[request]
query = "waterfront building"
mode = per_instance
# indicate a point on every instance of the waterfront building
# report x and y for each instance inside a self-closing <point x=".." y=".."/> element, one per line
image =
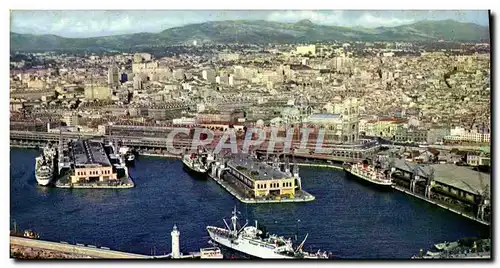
<point x="91" y="164"/>
<point x="260" y="179"/>
<point x="468" y="188"/>
<point x="230" y="117"/>
<point x="184" y="121"/>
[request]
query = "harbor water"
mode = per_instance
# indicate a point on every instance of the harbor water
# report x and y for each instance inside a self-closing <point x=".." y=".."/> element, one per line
<point x="349" y="219"/>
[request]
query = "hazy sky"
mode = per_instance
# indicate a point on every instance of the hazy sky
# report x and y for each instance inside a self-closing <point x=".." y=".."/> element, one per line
<point x="98" y="23"/>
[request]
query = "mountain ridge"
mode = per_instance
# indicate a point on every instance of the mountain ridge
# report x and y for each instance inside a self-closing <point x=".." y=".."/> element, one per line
<point x="260" y="31"/>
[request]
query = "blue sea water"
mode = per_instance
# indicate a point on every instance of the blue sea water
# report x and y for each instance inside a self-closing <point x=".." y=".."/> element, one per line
<point x="349" y="219"/>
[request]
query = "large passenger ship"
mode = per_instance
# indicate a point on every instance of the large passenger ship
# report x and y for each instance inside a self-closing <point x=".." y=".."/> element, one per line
<point x="45" y="166"/>
<point x="253" y="242"/>
<point x="369" y="173"/>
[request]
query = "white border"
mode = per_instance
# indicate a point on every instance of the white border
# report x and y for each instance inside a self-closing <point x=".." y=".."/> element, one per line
<point x="200" y="4"/>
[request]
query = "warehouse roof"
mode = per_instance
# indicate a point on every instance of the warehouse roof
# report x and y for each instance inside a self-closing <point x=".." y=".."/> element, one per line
<point x="462" y="178"/>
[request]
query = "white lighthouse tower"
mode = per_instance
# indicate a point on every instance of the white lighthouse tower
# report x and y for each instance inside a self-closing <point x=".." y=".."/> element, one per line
<point x="175" y="243"/>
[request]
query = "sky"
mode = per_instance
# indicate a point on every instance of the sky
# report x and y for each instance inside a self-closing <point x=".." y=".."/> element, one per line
<point x="88" y="23"/>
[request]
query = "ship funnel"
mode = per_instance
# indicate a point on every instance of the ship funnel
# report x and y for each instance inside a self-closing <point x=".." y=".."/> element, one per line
<point x="175" y="243"/>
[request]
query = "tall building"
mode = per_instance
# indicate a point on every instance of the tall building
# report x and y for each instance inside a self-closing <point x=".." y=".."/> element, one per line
<point x="137" y="83"/>
<point x="142" y="57"/>
<point x="123" y="78"/>
<point x="71" y="119"/>
<point x="113" y="75"/>
<point x="342" y="125"/>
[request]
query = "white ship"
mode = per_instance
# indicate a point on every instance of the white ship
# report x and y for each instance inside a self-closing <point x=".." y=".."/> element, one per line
<point x="45" y="165"/>
<point x="369" y="174"/>
<point x="250" y="240"/>
<point x="211" y="253"/>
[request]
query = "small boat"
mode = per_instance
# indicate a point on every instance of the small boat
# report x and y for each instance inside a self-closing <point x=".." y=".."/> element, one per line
<point x="440" y="246"/>
<point x="26" y="234"/>
<point x="432" y="254"/>
<point x="446" y="246"/>
<point x="211" y="253"/>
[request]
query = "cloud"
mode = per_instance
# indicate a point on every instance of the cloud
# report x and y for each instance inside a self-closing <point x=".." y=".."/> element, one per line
<point x="341" y="18"/>
<point x="370" y="21"/>
<point x="332" y="17"/>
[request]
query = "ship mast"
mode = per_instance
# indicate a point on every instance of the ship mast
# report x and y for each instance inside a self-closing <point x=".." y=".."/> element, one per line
<point x="234" y="221"/>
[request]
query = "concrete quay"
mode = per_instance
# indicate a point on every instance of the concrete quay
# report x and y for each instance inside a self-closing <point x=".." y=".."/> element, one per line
<point x="95" y="186"/>
<point x="125" y="183"/>
<point x="93" y="252"/>
<point x="303" y="195"/>
<point x="24" y="146"/>
<point x="162" y="155"/>
<point x="316" y="165"/>
<point x="401" y="189"/>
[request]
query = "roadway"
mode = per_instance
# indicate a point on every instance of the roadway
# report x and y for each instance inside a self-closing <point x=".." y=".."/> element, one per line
<point x="101" y="253"/>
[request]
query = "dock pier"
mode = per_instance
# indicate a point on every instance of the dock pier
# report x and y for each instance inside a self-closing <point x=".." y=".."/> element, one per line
<point x="88" y="251"/>
<point x="306" y="197"/>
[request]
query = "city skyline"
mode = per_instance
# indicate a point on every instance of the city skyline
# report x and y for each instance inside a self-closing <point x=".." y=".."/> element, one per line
<point x="89" y="23"/>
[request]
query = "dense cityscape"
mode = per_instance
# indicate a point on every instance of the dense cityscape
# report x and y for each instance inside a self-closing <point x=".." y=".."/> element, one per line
<point x="418" y="111"/>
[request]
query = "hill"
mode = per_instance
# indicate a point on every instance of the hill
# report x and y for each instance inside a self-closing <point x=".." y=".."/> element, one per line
<point x="259" y="31"/>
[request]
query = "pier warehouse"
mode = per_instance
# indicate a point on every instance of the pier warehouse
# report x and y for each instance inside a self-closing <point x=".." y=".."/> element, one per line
<point x="462" y="187"/>
<point x="262" y="180"/>
<point x="91" y="164"/>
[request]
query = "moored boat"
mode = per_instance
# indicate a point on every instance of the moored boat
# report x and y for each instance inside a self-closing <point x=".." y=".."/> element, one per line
<point x="368" y="173"/>
<point x="211" y="253"/>
<point x="45" y="166"/>
<point x="251" y="241"/>
<point x="197" y="164"/>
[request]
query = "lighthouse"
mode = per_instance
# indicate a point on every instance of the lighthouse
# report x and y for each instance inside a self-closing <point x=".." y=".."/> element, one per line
<point x="175" y="243"/>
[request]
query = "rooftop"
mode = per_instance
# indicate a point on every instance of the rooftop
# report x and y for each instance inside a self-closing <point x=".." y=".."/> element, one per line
<point x="456" y="176"/>
<point x="255" y="169"/>
<point x="325" y="116"/>
<point x="87" y="152"/>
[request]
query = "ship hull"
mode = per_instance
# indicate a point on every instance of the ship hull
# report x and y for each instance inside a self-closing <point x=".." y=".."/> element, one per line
<point x="194" y="173"/>
<point x="43" y="181"/>
<point x="374" y="184"/>
<point x="244" y="246"/>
